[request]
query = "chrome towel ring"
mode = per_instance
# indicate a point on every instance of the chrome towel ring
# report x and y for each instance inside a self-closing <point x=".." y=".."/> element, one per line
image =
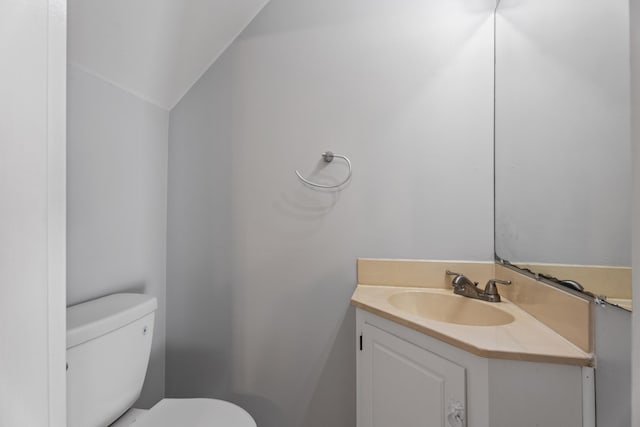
<point x="328" y="157"/>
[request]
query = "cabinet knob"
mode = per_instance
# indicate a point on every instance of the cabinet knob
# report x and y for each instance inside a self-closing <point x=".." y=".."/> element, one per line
<point x="455" y="413"/>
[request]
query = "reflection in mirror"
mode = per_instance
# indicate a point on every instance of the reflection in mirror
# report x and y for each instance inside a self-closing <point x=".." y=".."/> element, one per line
<point x="562" y="141"/>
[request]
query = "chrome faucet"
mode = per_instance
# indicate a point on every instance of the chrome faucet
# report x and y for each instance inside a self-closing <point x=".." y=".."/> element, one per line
<point x="465" y="287"/>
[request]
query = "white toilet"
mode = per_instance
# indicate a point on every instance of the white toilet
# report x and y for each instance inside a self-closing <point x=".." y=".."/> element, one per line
<point x="108" y="347"/>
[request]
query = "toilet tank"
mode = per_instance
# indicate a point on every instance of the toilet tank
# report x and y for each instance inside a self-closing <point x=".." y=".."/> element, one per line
<point x="108" y="347"/>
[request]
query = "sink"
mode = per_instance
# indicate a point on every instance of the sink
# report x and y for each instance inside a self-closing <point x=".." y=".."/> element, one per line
<point x="450" y="308"/>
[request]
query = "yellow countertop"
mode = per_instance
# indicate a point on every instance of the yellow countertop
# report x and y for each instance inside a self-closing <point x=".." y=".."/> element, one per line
<point x="524" y="339"/>
<point x="625" y="303"/>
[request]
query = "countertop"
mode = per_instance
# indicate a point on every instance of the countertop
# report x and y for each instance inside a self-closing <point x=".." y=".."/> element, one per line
<point x="525" y="338"/>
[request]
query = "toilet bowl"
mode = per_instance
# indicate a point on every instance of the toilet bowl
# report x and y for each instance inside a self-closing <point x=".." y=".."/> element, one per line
<point x="108" y="349"/>
<point x="188" y="412"/>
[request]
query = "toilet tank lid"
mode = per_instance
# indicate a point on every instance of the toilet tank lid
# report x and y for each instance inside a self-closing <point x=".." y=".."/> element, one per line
<point x="95" y="318"/>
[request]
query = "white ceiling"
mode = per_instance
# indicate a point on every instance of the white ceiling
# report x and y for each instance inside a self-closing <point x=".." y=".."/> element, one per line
<point x="156" y="49"/>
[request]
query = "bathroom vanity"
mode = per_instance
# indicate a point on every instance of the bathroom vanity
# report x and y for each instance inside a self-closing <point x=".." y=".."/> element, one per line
<point x="415" y="366"/>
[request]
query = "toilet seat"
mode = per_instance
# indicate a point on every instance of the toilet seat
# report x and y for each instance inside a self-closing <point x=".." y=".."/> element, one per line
<point x="195" y="413"/>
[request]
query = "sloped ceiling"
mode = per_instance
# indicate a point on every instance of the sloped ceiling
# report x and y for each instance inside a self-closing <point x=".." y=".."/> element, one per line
<point x="156" y="49"/>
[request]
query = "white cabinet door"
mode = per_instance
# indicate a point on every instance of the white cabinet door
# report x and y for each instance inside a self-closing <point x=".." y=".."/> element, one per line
<point x="403" y="385"/>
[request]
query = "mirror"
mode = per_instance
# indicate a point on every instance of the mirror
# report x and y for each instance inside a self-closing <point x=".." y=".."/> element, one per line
<point x="562" y="142"/>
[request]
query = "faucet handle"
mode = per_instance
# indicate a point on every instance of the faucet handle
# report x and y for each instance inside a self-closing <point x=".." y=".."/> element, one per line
<point x="502" y="282"/>
<point x="491" y="288"/>
<point x="460" y="280"/>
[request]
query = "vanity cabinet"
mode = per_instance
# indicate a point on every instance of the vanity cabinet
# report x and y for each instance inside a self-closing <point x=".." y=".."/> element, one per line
<point x="409" y="379"/>
<point x="404" y="385"/>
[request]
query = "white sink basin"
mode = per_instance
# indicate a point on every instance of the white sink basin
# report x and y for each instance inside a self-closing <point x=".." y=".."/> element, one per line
<point x="450" y="308"/>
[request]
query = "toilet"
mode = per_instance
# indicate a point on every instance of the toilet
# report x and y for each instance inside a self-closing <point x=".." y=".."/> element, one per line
<point x="108" y="349"/>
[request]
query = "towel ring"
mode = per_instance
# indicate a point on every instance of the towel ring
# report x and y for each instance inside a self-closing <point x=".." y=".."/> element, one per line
<point x="328" y="157"/>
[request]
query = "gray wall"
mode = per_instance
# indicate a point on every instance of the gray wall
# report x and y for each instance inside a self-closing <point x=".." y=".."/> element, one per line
<point x="613" y="369"/>
<point x="635" y="122"/>
<point x="117" y="183"/>
<point x="563" y="167"/>
<point x="260" y="267"/>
